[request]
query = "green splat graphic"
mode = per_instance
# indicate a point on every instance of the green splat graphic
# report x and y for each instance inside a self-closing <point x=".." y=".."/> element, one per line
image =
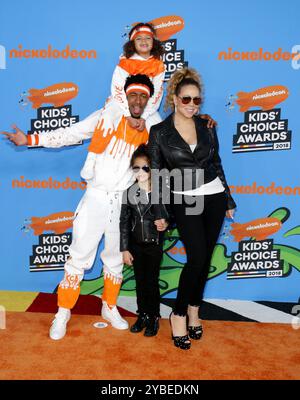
<point x="93" y="286"/>
<point x="170" y="268"/>
<point x="219" y="261"/>
<point x="281" y="213"/>
<point x="290" y="257"/>
<point x="292" y="232"/>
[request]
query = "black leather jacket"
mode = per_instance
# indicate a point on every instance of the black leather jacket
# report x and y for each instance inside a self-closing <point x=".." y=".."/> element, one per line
<point x="169" y="150"/>
<point x="138" y="216"/>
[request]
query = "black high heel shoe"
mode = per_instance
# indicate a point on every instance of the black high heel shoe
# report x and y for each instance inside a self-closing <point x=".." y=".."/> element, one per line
<point x="183" y="342"/>
<point x="195" y="332"/>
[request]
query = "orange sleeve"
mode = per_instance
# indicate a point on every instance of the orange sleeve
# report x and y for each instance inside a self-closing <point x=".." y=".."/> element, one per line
<point x="32" y="140"/>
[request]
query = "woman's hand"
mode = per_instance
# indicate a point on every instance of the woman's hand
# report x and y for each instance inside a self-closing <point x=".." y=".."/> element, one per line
<point x="127" y="257"/>
<point x="18" y="138"/>
<point x="230" y="213"/>
<point x="161" y="224"/>
<point x="211" y="122"/>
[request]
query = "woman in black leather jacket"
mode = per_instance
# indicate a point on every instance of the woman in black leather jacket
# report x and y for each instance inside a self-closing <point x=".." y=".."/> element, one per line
<point x="141" y="240"/>
<point x="200" y="196"/>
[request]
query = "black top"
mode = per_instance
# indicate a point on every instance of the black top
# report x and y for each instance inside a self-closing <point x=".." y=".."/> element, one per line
<point x="169" y="150"/>
<point x="137" y="218"/>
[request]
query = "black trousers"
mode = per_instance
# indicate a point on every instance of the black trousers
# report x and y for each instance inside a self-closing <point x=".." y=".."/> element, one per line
<point x="146" y="263"/>
<point x="199" y="234"/>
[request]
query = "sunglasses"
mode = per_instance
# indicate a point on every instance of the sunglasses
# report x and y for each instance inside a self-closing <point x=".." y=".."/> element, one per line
<point x="136" y="168"/>
<point x="188" y="99"/>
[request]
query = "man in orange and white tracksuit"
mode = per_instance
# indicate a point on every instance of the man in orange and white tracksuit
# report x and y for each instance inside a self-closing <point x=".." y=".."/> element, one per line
<point x="99" y="210"/>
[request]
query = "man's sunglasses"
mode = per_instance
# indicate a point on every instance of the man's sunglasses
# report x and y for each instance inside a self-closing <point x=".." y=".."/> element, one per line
<point x="136" y="168"/>
<point x="188" y="99"/>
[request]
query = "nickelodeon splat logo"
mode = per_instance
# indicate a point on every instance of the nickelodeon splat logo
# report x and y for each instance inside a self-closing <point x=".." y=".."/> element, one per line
<point x="266" y="98"/>
<point x="260" y="228"/>
<point x="58" y="223"/>
<point x="168" y="26"/>
<point x="57" y="94"/>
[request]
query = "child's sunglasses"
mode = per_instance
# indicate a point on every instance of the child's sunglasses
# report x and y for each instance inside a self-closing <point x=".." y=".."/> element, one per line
<point x="136" y="168"/>
<point x="188" y="99"/>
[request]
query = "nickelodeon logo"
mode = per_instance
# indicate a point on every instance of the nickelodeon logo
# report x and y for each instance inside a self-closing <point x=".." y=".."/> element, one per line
<point x="57" y="94"/>
<point x="167" y="26"/>
<point x="49" y="183"/>
<point x="272" y="189"/>
<point x="66" y="53"/>
<point x="57" y="222"/>
<point x="260" y="55"/>
<point x="260" y="228"/>
<point x="266" y="98"/>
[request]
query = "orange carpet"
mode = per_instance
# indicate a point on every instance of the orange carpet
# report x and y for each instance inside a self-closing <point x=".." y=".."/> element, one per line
<point x="228" y="350"/>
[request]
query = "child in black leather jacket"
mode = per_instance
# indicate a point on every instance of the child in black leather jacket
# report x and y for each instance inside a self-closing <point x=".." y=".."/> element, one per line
<point x="141" y="241"/>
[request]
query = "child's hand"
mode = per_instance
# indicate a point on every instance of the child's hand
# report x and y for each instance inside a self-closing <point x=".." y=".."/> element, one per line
<point x="142" y="124"/>
<point x="127" y="257"/>
<point x="161" y="224"/>
<point x="136" y="123"/>
<point x="133" y="122"/>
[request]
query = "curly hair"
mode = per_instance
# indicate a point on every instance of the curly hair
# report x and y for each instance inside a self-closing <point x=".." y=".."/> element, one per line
<point x="139" y="78"/>
<point x="157" y="49"/>
<point x="142" y="151"/>
<point x="180" y="78"/>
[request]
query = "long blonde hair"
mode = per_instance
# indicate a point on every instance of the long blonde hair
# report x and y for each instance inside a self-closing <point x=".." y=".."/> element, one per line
<point x="181" y="77"/>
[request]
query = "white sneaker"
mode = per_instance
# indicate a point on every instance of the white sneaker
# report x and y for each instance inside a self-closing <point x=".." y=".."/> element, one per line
<point x="59" y="324"/>
<point x="112" y="315"/>
<point x="88" y="169"/>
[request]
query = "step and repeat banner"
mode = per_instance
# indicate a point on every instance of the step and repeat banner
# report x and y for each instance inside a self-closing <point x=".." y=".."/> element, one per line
<point x="56" y="64"/>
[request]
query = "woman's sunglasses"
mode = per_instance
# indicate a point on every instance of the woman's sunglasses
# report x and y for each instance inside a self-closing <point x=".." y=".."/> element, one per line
<point x="188" y="99"/>
<point x="136" y="168"/>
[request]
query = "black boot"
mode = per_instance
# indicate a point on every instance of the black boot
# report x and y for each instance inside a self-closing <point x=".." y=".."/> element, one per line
<point x="152" y="326"/>
<point x="140" y="323"/>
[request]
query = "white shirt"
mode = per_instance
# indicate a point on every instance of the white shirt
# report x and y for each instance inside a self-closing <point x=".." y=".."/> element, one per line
<point x="212" y="187"/>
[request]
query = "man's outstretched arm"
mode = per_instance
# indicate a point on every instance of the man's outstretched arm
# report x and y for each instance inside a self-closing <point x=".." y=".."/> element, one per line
<point x="60" y="137"/>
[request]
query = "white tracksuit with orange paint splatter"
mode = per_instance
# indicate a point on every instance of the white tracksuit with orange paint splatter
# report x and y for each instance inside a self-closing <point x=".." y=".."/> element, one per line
<point x="98" y="212"/>
<point x="116" y="105"/>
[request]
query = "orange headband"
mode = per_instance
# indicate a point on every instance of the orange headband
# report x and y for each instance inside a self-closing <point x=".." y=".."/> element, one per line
<point x="141" y="29"/>
<point x="138" y="87"/>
